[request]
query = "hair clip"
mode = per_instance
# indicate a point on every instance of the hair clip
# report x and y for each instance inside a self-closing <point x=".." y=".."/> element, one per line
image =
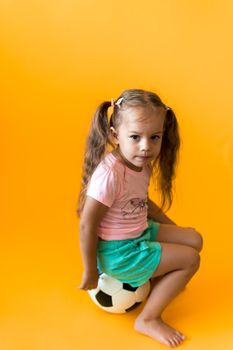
<point x="118" y="103"/>
<point x="167" y="108"/>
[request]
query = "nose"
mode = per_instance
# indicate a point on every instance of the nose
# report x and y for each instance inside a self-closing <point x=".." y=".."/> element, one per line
<point x="145" y="145"/>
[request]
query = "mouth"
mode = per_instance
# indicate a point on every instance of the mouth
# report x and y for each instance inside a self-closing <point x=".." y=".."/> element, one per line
<point x="144" y="157"/>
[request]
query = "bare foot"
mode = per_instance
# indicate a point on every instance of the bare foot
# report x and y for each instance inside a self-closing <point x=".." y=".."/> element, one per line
<point x="160" y="331"/>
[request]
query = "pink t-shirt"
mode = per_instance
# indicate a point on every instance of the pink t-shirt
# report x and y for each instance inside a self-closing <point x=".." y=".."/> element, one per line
<point x="125" y="192"/>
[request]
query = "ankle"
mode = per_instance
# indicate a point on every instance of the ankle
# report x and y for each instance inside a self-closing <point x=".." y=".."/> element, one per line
<point x="147" y="318"/>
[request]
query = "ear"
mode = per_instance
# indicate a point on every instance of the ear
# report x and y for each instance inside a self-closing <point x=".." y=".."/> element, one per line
<point x="114" y="135"/>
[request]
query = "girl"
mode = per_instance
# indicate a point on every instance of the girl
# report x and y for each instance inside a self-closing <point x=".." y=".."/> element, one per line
<point x="122" y="232"/>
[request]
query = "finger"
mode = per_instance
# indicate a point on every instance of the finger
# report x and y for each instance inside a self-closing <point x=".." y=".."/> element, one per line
<point x="91" y="287"/>
<point x="82" y="286"/>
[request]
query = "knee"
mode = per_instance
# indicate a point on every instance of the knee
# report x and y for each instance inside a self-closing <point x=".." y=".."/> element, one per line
<point x="197" y="240"/>
<point x="194" y="260"/>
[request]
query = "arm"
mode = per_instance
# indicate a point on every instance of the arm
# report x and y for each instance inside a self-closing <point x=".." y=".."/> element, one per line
<point x="92" y="214"/>
<point x="156" y="214"/>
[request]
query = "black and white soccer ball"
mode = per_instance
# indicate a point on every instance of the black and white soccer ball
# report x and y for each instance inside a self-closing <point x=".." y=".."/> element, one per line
<point x="114" y="296"/>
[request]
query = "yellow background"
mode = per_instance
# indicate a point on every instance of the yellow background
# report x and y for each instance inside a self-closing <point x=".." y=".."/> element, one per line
<point x="60" y="59"/>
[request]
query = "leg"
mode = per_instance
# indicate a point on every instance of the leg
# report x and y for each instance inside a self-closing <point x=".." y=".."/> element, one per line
<point x="180" y="235"/>
<point x="178" y="264"/>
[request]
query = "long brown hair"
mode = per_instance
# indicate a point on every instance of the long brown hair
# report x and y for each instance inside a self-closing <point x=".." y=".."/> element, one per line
<point x="99" y="143"/>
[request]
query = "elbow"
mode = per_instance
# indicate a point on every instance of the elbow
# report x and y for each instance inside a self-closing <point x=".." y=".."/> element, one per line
<point x="86" y="227"/>
<point x="83" y="228"/>
<point x="81" y="224"/>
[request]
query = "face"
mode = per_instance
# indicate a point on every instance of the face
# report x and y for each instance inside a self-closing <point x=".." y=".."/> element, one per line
<point x="139" y="135"/>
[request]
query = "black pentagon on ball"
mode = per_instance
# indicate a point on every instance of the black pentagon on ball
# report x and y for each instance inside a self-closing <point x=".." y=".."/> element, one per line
<point x="104" y="299"/>
<point x="128" y="287"/>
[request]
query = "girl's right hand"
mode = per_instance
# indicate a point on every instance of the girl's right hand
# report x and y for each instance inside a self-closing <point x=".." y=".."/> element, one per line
<point x="89" y="280"/>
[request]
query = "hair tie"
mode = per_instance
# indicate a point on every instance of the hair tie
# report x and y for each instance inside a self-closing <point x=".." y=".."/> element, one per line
<point x="112" y="102"/>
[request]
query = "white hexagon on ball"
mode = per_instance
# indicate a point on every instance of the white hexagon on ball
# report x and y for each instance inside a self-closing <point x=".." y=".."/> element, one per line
<point x="109" y="284"/>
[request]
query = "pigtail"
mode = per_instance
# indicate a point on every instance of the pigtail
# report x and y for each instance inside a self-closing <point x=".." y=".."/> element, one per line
<point x="96" y="146"/>
<point x="168" y="158"/>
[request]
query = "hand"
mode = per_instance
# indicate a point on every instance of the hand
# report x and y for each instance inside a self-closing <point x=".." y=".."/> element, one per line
<point x="89" y="280"/>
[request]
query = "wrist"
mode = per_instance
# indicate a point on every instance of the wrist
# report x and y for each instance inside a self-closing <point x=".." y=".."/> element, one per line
<point x="91" y="270"/>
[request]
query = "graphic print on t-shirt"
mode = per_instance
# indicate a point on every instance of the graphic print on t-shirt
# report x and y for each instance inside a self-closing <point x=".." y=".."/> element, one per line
<point x="134" y="206"/>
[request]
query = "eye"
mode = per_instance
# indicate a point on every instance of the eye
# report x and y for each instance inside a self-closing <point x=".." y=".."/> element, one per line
<point x="134" y="137"/>
<point x="155" y="136"/>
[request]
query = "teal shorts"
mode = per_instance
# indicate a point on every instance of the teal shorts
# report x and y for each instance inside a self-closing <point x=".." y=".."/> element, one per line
<point x="131" y="260"/>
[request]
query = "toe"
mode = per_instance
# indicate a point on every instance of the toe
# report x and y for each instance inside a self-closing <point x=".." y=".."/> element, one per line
<point x="173" y="342"/>
<point x="179" y="340"/>
<point x="182" y="336"/>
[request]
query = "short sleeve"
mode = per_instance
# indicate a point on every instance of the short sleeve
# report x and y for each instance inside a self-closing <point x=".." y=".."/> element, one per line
<point x="103" y="185"/>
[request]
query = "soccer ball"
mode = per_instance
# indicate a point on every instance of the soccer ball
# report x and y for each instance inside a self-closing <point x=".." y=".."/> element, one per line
<point x="114" y="296"/>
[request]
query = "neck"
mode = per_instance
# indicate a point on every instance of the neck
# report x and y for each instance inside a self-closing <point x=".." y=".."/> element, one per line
<point x="117" y="152"/>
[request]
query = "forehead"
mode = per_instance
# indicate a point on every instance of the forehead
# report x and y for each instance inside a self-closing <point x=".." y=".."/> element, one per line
<point x="138" y="117"/>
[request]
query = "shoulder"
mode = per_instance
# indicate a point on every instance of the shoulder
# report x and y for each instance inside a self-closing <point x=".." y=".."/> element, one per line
<point x="104" y="183"/>
<point x="107" y="174"/>
<point x="109" y="166"/>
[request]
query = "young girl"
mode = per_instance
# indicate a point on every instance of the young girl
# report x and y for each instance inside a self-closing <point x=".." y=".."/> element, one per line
<point x="122" y="232"/>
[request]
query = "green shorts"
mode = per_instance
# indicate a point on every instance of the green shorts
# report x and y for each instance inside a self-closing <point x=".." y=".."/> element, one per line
<point x="132" y="260"/>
